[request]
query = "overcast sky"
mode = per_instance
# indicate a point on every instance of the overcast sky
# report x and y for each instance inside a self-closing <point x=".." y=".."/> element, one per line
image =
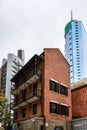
<point x="33" y="25"/>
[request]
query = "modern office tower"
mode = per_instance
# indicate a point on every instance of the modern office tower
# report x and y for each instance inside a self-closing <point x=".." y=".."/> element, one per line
<point x="10" y="67"/>
<point x="42" y="94"/>
<point x="76" y="49"/>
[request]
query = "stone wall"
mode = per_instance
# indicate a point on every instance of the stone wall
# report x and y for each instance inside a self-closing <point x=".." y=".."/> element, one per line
<point x="40" y="124"/>
<point x="79" y="124"/>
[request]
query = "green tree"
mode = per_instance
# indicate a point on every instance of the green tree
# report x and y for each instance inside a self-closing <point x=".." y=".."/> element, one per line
<point x="4" y="110"/>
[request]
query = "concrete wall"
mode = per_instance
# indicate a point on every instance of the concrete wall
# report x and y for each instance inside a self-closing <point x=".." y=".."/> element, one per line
<point x="79" y="124"/>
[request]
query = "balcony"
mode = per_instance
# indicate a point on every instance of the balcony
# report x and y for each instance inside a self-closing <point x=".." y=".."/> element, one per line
<point x="31" y="77"/>
<point x="26" y="99"/>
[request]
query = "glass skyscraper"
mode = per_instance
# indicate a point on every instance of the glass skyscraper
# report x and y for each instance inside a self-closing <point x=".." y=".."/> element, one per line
<point x="76" y="49"/>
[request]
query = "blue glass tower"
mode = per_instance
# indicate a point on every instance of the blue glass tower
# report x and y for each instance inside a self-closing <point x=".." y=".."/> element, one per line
<point x="76" y="50"/>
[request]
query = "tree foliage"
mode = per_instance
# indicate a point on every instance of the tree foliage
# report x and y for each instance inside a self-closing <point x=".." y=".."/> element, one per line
<point x="4" y="111"/>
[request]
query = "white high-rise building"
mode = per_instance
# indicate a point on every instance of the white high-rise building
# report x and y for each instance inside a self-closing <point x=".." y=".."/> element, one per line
<point x="76" y="49"/>
<point x="10" y="67"/>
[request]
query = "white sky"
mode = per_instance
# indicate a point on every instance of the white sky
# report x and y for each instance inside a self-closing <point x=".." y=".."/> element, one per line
<point x="33" y="25"/>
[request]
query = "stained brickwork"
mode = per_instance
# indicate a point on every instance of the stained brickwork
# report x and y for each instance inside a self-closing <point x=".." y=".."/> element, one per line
<point x="54" y="67"/>
<point x="79" y="100"/>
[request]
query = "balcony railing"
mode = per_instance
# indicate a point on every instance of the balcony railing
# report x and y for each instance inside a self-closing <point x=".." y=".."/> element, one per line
<point x="26" y="99"/>
<point x="30" y="78"/>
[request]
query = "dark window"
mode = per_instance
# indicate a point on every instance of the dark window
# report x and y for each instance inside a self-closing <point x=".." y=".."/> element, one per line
<point x="78" y="68"/>
<point x="23" y="112"/>
<point x="78" y="60"/>
<point x="78" y="75"/>
<point x="77" y="46"/>
<point x="42" y="127"/>
<point x="76" y="33"/>
<point x="35" y="89"/>
<point x="34" y="109"/>
<point x="54" y="108"/>
<point x="58" y="128"/>
<point x="63" y="90"/>
<point x="77" y="49"/>
<point x="54" y="86"/>
<point x="70" y="49"/>
<point x="17" y="84"/>
<point x="24" y="95"/>
<point x="16" y="115"/>
<point x="78" y="63"/>
<point x="77" y="41"/>
<point x="70" y="38"/>
<point x="16" y="100"/>
<point x="76" y="27"/>
<point x="64" y="110"/>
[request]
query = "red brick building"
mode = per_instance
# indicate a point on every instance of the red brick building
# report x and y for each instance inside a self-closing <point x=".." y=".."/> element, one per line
<point x="42" y="93"/>
<point x="79" y="99"/>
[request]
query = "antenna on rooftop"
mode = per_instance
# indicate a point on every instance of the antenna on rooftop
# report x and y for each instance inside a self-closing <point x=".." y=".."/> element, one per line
<point x="71" y="15"/>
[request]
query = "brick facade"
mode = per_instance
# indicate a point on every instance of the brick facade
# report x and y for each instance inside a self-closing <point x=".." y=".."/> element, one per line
<point x="48" y="105"/>
<point x="56" y="68"/>
<point x="79" y="99"/>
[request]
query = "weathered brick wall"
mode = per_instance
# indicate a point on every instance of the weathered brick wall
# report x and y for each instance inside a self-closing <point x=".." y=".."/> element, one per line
<point x="29" y="106"/>
<point x="57" y="68"/>
<point x="79" y="102"/>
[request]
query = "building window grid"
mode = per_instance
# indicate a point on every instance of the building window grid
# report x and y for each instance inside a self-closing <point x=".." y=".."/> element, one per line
<point x="54" y="86"/>
<point x="58" y="88"/>
<point x="59" y="109"/>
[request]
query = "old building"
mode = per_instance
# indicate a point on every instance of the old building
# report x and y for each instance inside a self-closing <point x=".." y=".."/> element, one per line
<point x="79" y="104"/>
<point x="79" y="100"/>
<point x="42" y="96"/>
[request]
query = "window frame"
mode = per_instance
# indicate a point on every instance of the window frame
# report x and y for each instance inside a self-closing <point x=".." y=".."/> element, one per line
<point x="63" y="90"/>
<point x="34" y="109"/>
<point x="64" y="110"/>
<point x="59" y="109"/>
<point x="54" y="86"/>
<point x="23" y="112"/>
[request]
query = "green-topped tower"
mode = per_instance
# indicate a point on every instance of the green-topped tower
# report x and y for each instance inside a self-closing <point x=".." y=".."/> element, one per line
<point x="76" y="49"/>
